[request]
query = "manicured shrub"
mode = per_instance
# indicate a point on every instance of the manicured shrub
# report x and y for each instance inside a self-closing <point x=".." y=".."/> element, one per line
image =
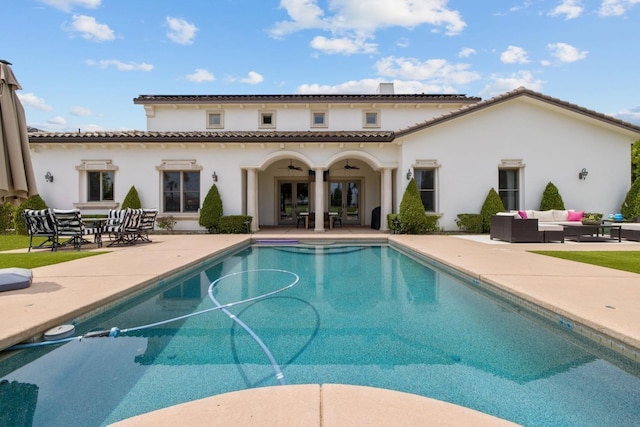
<point x="413" y="218"/>
<point x="393" y="221"/>
<point x="491" y="206"/>
<point x="132" y="200"/>
<point x="211" y="211"/>
<point x="234" y="224"/>
<point x="628" y="208"/>
<point x="636" y="208"/>
<point x="6" y="217"/>
<point x="469" y="222"/>
<point x="34" y="202"/>
<point x="551" y="198"/>
<point x="166" y="223"/>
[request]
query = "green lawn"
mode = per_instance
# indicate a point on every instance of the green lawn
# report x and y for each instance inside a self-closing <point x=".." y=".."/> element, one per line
<point x="37" y="258"/>
<point x="620" y="260"/>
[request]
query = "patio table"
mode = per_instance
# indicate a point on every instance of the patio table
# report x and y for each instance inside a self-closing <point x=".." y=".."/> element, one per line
<point x="591" y="232"/>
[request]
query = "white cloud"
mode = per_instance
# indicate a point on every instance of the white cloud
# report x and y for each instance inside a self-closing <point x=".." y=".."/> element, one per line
<point x="57" y="121"/>
<point x="120" y="66"/>
<point x="569" y="8"/>
<point x="252" y="78"/>
<point x="514" y="55"/>
<point x="342" y="45"/>
<point x="566" y="53"/>
<point x="437" y="71"/>
<point x="201" y="75"/>
<point x="631" y="116"/>
<point x="500" y="84"/>
<point x="365" y="18"/>
<point x="371" y="85"/>
<point x="91" y="29"/>
<point x="31" y="100"/>
<point x="68" y="5"/>
<point x="616" y="7"/>
<point x="81" y="111"/>
<point x="181" y="31"/>
<point x="466" y="52"/>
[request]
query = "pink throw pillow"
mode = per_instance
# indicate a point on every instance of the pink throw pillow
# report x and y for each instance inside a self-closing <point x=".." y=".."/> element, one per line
<point x="523" y="214"/>
<point x="575" y="215"/>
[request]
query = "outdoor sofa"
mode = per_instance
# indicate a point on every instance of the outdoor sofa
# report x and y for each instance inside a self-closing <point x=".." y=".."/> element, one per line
<point x="627" y="230"/>
<point x="533" y="226"/>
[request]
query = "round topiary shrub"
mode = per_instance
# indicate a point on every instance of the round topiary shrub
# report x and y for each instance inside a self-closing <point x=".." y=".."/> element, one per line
<point x="211" y="210"/>
<point x="551" y="198"/>
<point x="34" y="202"/>
<point x="413" y="219"/>
<point x="491" y="206"/>
<point x="132" y="200"/>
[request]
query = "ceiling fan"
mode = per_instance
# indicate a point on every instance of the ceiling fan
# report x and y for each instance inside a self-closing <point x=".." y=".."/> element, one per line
<point x="291" y="167"/>
<point x="348" y="166"/>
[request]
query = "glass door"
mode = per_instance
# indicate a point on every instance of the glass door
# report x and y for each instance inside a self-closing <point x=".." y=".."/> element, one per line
<point x="344" y="199"/>
<point x="293" y="198"/>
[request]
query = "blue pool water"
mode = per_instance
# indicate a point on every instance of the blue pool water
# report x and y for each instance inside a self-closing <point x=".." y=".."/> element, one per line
<point x="365" y="315"/>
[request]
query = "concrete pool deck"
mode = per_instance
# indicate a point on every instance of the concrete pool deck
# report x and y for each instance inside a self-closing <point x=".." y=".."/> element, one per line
<point x="604" y="300"/>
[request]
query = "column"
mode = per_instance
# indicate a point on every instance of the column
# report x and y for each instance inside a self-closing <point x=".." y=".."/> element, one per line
<point x="386" y="198"/>
<point x="319" y="200"/>
<point x="252" y="198"/>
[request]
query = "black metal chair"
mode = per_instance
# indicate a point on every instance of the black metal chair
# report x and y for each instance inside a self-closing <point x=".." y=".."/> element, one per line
<point x="40" y="223"/>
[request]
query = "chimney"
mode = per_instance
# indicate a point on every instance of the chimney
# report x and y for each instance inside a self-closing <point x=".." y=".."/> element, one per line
<point x="385" y="89"/>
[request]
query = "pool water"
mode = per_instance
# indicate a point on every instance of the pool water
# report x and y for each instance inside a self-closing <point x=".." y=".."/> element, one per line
<point x="363" y="315"/>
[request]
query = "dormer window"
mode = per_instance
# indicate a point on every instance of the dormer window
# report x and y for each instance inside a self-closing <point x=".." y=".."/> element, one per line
<point x="215" y="120"/>
<point x="318" y="119"/>
<point x="267" y="119"/>
<point x="371" y="119"/>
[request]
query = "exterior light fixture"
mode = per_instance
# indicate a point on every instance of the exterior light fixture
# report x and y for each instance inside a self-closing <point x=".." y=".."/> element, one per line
<point x="214" y="176"/>
<point x="48" y="177"/>
<point x="583" y="173"/>
<point x="409" y="175"/>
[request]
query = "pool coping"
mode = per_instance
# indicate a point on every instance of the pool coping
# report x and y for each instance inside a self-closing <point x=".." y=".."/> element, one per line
<point x="573" y="290"/>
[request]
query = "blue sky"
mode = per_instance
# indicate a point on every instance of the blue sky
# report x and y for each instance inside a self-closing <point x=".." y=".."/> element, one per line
<point x="81" y="62"/>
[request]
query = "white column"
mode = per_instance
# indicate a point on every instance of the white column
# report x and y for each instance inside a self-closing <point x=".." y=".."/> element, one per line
<point x="319" y="201"/>
<point x="386" y="199"/>
<point x="252" y="198"/>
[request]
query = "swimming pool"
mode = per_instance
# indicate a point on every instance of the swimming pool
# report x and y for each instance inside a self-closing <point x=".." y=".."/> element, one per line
<point x="364" y="315"/>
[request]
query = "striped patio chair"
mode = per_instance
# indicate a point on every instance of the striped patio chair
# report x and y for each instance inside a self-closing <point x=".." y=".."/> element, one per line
<point x="40" y="223"/>
<point x="147" y="223"/>
<point x="69" y="224"/>
<point x="117" y="220"/>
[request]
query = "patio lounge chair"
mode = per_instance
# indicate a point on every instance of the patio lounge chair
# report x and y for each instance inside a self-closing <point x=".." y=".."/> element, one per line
<point x="147" y="223"/>
<point x="69" y="224"/>
<point x="40" y="223"/>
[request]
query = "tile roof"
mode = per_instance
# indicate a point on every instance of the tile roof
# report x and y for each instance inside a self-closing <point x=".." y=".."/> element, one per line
<point x="521" y="91"/>
<point x="210" y="136"/>
<point x="248" y="99"/>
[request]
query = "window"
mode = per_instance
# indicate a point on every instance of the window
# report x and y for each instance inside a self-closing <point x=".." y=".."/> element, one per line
<point x="215" y="120"/>
<point x="371" y="119"/>
<point x="267" y="119"/>
<point x="426" y="180"/>
<point x="181" y="191"/>
<point x="509" y="188"/>
<point x="318" y="119"/>
<point x="100" y="186"/>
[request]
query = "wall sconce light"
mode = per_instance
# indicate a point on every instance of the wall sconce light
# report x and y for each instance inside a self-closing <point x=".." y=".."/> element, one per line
<point x="583" y="173"/>
<point x="48" y="177"/>
<point x="214" y="176"/>
<point x="409" y="175"/>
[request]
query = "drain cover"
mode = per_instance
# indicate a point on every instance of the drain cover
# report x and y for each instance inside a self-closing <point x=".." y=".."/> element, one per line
<point x="59" y="332"/>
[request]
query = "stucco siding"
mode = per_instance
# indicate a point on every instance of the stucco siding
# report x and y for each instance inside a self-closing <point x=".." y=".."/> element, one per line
<point x="553" y="148"/>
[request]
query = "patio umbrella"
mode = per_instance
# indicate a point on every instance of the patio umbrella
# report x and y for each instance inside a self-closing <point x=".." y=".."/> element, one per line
<point x="17" y="180"/>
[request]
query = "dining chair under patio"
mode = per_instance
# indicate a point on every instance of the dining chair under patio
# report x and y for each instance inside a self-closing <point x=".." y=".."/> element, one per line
<point x="69" y="224"/>
<point x="40" y="223"/>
